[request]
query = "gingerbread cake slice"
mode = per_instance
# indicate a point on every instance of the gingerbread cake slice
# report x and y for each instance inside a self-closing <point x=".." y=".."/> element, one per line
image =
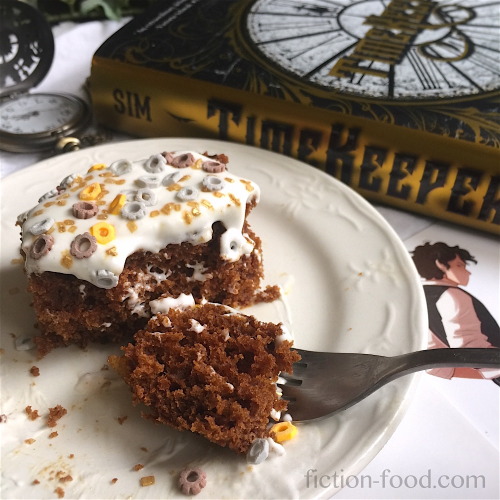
<point x="103" y="244"/>
<point x="210" y="370"/>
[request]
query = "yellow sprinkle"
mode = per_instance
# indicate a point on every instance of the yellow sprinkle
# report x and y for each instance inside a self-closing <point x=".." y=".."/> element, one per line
<point x="283" y="431"/>
<point x="185" y="178"/>
<point x="91" y="192"/>
<point x="234" y="199"/>
<point x="68" y="222"/>
<point x="248" y="185"/>
<point x="97" y="166"/>
<point x="229" y="179"/>
<point x="61" y="227"/>
<point x="103" y="232"/>
<point x="112" y="251"/>
<point x="49" y="204"/>
<point x="207" y="204"/>
<point x="72" y="229"/>
<point x="218" y="194"/>
<point x="38" y="212"/>
<point x="107" y="175"/>
<point x="154" y="213"/>
<point x="197" y="164"/>
<point x="177" y="207"/>
<point x="188" y="218"/>
<point x="66" y="259"/>
<point x="195" y="211"/>
<point x="116" y="205"/>
<point x="61" y="203"/>
<point x="102" y="216"/>
<point x="132" y="226"/>
<point x="174" y="187"/>
<point x="89" y="178"/>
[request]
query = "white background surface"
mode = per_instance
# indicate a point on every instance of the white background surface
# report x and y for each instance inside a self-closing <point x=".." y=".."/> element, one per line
<point x="450" y="435"/>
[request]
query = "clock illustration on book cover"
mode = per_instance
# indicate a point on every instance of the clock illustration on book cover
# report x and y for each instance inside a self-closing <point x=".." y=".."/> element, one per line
<point x="398" y="50"/>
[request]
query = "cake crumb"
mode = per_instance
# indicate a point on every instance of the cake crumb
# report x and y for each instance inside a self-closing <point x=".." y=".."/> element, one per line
<point x="114" y="480"/>
<point x="121" y="419"/>
<point x="53" y="434"/>
<point x="138" y="467"/>
<point x="32" y="414"/>
<point x="3" y="418"/>
<point x="35" y="481"/>
<point x="71" y="455"/>
<point x="65" y="478"/>
<point x="35" y="371"/>
<point x="55" y="414"/>
<point x="59" y="492"/>
<point x="29" y="441"/>
<point x="147" y="480"/>
<point x="143" y="448"/>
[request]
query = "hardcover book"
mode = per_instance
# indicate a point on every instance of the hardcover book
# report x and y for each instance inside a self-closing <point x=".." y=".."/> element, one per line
<point x="399" y="99"/>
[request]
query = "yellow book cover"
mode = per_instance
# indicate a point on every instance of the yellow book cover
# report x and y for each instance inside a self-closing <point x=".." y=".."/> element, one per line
<point x="399" y="99"/>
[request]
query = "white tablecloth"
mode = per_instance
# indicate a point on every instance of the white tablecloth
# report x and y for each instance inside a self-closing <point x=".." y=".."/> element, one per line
<point x="448" y="444"/>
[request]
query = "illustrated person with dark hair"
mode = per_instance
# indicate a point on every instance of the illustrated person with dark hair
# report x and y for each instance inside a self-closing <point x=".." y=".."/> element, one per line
<point x="456" y="318"/>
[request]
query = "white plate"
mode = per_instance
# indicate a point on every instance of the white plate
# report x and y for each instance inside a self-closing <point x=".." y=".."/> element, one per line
<point x="350" y="286"/>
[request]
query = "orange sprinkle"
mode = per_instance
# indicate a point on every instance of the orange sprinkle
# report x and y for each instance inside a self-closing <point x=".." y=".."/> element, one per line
<point x="66" y="259"/>
<point x="147" y="480"/>
<point x="154" y="213"/>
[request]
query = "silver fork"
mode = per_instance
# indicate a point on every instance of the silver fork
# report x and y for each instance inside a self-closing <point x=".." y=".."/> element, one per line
<point x="324" y="383"/>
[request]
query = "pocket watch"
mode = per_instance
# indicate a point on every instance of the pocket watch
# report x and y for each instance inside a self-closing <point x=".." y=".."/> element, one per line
<point x="31" y="122"/>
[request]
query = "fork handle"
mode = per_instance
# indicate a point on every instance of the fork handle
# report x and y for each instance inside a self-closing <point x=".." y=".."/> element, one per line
<point x="447" y="357"/>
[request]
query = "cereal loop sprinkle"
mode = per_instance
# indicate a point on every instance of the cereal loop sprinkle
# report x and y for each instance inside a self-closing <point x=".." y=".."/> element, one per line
<point x="83" y="246"/>
<point x="192" y="481"/>
<point x="42" y="246"/>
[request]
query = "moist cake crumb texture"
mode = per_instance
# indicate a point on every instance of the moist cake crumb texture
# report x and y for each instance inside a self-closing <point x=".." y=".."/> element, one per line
<point x="209" y="370"/>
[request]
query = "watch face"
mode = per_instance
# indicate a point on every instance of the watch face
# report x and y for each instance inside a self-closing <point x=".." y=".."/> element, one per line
<point x="37" y="113"/>
<point x="397" y="50"/>
<point x="36" y="121"/>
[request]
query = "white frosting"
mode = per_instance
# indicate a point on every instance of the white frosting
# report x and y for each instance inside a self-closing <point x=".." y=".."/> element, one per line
<point x="174" y="205"/>
<point x="163" y="305"/>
